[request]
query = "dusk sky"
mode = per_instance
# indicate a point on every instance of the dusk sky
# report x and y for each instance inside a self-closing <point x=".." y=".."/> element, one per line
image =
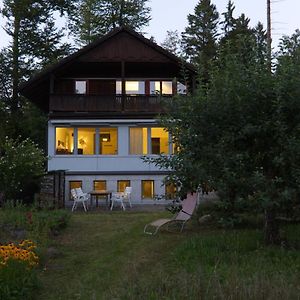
<point x="172" y="15"/>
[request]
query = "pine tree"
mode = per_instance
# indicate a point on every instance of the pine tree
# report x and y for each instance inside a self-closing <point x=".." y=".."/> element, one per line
<point x="93" y="18"/>
<point x="200" y="37"/>
<point x="35" y="42"/>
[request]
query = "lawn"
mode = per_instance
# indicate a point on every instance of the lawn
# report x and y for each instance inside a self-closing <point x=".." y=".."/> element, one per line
<point x="107" y="256"/>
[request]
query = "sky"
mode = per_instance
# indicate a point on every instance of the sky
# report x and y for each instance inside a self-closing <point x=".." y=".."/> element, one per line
<point x="172" y="15"/>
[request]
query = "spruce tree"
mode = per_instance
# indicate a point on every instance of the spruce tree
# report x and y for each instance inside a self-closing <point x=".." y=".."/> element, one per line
<point x="34" y="42"/>
<point x="93" y="18"/>
<point x="199" y="39"/>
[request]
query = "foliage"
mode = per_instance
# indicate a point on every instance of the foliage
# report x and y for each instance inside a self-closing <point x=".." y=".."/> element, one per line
<point x="17" y="275"/>
<point x="35" y="223"/>
<point x="172" y="43"/>
<point x="94" y="18"/>
<point x="199" y="40"/>
<point x="240" y="133"/>
<point x="21" y="166"/>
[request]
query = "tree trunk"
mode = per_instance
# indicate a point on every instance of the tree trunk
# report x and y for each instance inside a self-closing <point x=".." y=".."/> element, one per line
<point x="271" y="230"/>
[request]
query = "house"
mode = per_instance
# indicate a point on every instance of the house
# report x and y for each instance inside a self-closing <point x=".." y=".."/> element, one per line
<point x="102" y="103"/>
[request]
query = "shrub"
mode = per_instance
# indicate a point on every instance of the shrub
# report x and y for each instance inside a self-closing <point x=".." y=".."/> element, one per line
<point x="21" y="167"/>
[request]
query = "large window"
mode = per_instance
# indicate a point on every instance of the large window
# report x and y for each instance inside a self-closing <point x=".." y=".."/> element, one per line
<point x="108" y="141"/>
<point x="148" y="189"/>
<point x="159" y="141"/>
<point x="122" y="184"/>
<point x="86" y="141"/>
<point x="132" y="87"/>
<point x="138" y="140"/>
<point x="64" y="140"/>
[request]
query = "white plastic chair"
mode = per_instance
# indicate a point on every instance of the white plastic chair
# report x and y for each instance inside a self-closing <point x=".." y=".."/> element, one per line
<point x="79" y="198"/>
<point x="127" y="195"/>
<point x="121" y="197"/>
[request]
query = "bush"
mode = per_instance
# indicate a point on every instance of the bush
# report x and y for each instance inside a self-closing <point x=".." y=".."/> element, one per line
<point x="21" y="167"/>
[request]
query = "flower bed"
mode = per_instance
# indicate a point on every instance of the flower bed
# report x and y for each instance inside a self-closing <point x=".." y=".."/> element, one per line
<point x="18" y="264"/>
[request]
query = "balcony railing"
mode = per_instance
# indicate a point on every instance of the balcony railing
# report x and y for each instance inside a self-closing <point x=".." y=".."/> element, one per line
<point x="111" y="103"/>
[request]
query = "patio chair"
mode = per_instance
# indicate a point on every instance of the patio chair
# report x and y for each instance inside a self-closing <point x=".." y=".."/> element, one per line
<point x="184" y="215"/>
<point x="121" y="197"/>
<point x="79" y="198"/>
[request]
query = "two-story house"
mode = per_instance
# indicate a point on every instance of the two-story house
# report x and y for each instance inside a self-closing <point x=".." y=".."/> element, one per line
<point x="102" y="103"/>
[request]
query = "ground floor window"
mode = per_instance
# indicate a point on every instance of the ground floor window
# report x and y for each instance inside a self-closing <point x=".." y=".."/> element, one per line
<point x="74" y="185"/>
<point x="99" y="185"/>
<point x="122" y="184"/>
<point x="170" y="191"/>
<point x="147" y="189"/>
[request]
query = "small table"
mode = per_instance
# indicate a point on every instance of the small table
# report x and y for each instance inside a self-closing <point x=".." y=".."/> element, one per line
<point x="98" y="193"/>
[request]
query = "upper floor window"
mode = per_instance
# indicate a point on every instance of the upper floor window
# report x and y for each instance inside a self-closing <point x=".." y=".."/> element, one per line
<point x="181" y="88"/>
<point x="132" y="87"/>
<point x="80" y="87"/>
<point x="161" y="87"/>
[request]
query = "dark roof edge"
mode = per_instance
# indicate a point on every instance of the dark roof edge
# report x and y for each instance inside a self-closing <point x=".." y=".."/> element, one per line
<point x="94" y="44"/>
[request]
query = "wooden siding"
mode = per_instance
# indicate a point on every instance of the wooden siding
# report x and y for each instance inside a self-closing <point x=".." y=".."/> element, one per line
<point x="101" y="103"/>
<point x="124" y="47"/>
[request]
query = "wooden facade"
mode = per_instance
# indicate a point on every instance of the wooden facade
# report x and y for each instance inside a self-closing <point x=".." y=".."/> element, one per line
<point x="121" y="55"/>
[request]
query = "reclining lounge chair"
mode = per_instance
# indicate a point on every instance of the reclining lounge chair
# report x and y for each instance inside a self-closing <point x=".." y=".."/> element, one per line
<point x="188" y="207"/>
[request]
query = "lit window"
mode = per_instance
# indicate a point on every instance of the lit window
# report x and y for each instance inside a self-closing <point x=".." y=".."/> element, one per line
<point x="148" y="189"/>
<point x="138" y="140"/>
<point x="122" y="184"/>
<point x="131" y="87"/>
<point x="170" y="191"/>
<point x="161" y="87"/>
<point x="159" y="141"/>
<point x="108" y="141"/>
<point x="86" y="141"/>
<point x="99" y="185"/>
<point x="74" y="185"/>
<point x="80" y="87"/>
<point x="167" y="88"/>
<point x="64" y="142"/>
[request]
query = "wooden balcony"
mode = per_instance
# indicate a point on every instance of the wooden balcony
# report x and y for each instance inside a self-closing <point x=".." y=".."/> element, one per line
<point x="108" y="104"/>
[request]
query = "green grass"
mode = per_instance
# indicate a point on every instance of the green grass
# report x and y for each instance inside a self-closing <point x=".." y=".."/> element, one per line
<point x="107" y="256"/>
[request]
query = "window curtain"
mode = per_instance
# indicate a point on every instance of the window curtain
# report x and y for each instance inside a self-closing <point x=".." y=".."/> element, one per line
<point x="136" y="140"/>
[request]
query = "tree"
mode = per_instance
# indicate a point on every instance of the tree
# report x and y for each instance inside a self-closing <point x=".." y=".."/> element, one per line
<point x="172" y="43"/>
<point x="200" y="37"/>
<point x="21" y="167"/>
<point x="241" y="134"/>
<point x="35" y="42"/>
<point x="94" y="18"/>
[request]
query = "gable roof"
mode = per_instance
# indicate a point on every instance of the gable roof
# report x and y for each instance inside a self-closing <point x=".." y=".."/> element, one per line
<point x="42" y="77"/>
